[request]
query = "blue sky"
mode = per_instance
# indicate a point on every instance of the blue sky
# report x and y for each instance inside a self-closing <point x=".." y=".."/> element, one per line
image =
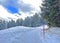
<point x="28" y="7"/>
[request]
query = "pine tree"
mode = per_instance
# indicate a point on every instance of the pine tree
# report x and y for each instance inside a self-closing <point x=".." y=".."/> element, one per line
<point x="50" y="12"/>
<point x="2" y="24"/>
<point x="27" y="22"/>
<point x="19" y="22"/>
<point x="33" y="21"/>
<point x="11" y="24"/>
<point x="36" y="20"/>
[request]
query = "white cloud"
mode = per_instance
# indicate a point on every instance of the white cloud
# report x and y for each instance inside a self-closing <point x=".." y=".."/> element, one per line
<point x="34" y="3"/>
<point x="5" y="14"/>
<point x="24" y="15"/>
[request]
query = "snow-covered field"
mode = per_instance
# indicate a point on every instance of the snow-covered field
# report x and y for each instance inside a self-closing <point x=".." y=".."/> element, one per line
<point x="21" y="34"/>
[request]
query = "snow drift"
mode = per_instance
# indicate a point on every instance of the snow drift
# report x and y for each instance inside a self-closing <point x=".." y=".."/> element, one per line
<point x="22" y="34"/>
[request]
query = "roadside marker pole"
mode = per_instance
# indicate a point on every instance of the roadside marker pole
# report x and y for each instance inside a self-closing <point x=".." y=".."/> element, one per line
<point x="43" y="31"/>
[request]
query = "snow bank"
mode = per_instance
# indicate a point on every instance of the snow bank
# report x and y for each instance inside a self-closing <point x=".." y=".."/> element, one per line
<point x="55" y="30"/>
<point x="21" y="34"/>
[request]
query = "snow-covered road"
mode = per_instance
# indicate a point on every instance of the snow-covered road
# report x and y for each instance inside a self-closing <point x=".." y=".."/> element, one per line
<point x="22" y="34"/>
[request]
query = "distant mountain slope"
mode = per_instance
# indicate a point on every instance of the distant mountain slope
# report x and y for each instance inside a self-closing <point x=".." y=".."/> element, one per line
<point x="21" y="34"/>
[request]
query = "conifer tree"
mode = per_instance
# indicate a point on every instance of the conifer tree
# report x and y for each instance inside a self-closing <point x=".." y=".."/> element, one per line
<point x="50" y="12"/>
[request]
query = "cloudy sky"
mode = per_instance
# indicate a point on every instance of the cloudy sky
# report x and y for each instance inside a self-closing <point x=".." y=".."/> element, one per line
<point x="13" y="8"/>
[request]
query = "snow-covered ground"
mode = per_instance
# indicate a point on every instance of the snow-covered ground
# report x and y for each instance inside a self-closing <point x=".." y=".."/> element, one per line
<point x="21" y="34"/>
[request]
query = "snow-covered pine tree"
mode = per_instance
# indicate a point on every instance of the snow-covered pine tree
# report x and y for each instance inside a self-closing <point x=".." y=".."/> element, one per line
<point x="51" y="12"/>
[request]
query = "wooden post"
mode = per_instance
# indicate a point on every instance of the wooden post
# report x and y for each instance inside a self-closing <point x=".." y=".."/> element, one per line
<point x="43" y="31"/>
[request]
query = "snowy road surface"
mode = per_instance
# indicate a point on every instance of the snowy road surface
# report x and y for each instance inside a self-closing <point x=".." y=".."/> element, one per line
<point x="22" y="34"/>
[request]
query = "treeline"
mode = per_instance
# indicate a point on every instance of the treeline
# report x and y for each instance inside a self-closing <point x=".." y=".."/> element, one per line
<point x="33" y="21"/>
